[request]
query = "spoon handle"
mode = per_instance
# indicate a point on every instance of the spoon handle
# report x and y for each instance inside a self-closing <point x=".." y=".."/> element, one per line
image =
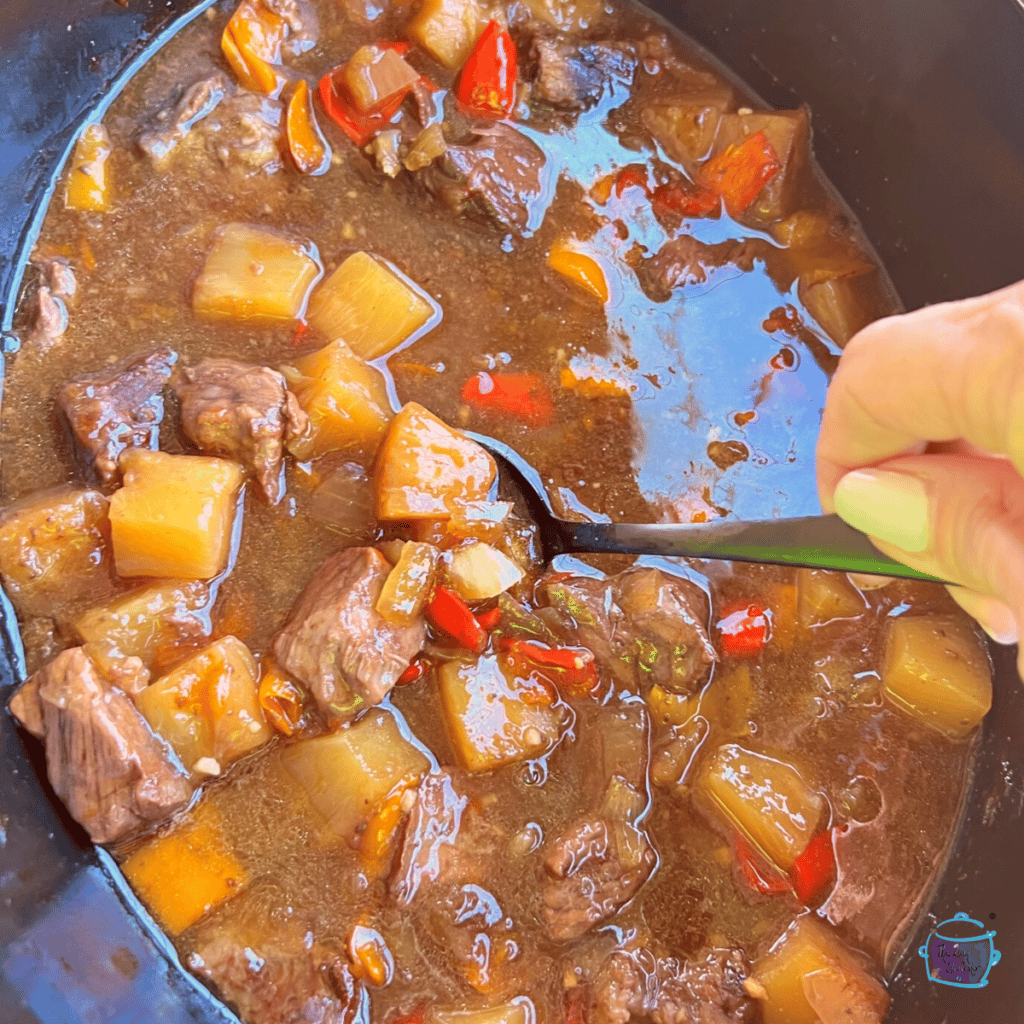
<point x="813" y="542"/>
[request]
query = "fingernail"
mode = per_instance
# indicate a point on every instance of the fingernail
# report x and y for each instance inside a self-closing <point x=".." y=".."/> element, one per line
<point x="990" y="613"/>
<point x="890" y="506"/>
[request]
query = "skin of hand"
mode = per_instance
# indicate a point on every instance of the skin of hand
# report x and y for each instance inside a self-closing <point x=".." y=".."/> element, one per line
<point x="922" y="448"/>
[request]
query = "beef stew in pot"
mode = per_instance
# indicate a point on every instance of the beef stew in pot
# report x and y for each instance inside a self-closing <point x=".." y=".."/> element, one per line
<point x="293" y="655"/>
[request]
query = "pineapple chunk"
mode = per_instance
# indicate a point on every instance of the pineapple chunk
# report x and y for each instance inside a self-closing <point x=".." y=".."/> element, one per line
<point x="517" y="1011"/>
<point x="346" y="775"/>
<point x="52" y="545"/>
<point x="822" y="596"/>
<point x="426" y="470"/>
<point x="346" y="401"/>
<point x="765" y="799"/>
<point x="478" y="572"/>
<point x="811" y="976"/>
<point x="371" y="306"/>
<point x="447" y="29"/>
<point x="174" y="515"/>
<point x="181" y="875"/>
<point x="936" y="671"/>
<point x="256" y="276"/>
<point x="148" y="622"/>
<point x="489" y="721"/>
<point x="208" y="707"/>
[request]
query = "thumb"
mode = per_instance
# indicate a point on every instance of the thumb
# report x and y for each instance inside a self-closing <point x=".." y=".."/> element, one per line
<point x="958" y="517"/>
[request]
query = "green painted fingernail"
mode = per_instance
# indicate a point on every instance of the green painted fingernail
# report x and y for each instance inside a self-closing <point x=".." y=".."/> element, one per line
<point x="890" y="506"/>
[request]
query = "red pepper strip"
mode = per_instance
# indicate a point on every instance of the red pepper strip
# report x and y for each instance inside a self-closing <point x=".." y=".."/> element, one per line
<point x="744" y="631"/>
<point x="571" y="667"/>
<point x="449" y="613"/>
<point x="359" y="127"/>
<point x="815" y="869"/>
<point x="740" y="172"/>
<point x="524" y="396"/>
<point x="417" y="670"/>
<point x="684" y="199"/>
<point x="628" y="177"/>
<point x="757" y="873"/>
<point x="301" y="330"/>
<point x="576" y="1000"/>
<point x="490" y="618"/>
<point x="487" y="84"/>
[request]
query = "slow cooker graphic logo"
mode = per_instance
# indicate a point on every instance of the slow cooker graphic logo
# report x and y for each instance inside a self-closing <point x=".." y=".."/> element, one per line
<point x="960" y="952"/>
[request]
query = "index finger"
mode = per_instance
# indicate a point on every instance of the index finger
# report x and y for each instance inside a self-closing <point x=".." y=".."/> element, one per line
<point x="949" y="372"/>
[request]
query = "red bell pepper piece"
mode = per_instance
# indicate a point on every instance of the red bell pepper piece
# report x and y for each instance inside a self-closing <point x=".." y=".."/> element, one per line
<point x="744" y="631"/>
<point x="757" y="872"/>
<point x="417" y="670"/>
<point x="739" y="173"/>
<point x="684" y="199"/>
<point x="360" y="127"/>
<point x="635" y="175"/>
<point x="815" y="869"/>
<point x="523" y="396"/>
<point x="490" y="618"/>
<point x="571" y="668"/>
<point x="447" y="612"/>
<point x="576" y="1000"/>
<point x="487" y="84"/>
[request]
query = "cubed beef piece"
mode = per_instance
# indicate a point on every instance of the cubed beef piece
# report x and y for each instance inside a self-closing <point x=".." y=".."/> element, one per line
<point x="118" y="407"/>
<point x="272" y="976"/>
<point x="685" y="263"/>
<point x="335" y="641"/>
<point x="597" y="865"/>
<point x="49" y="311"/>
<point x="639" y="985"/>
<point x="446" y="841"/>
<point x="643" y="625"/>
<point x="572" y="74"/>
<point x="114" y="775"/>
<point x="246" y="134"/>
<point x="499" y="175"/>
<point x="303" y="24"/>
<point x="173" y="123"/>
<point x="243" y="412"/>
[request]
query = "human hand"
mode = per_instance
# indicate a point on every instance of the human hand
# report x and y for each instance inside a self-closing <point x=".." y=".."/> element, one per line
<point x="922" y="448"/>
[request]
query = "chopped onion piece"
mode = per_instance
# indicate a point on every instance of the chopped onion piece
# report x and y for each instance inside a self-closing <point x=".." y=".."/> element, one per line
<point x="478" y="572"/>
<point x="344" y="502"/>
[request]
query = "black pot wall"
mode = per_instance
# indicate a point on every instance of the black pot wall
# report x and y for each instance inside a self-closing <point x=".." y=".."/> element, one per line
<point x="919" y="121"/>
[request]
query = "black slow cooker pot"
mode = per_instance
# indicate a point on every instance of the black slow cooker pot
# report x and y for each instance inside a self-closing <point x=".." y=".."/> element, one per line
<point x="918" y="120"/>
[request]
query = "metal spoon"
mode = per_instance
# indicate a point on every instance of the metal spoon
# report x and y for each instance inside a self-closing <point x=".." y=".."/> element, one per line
<point x="812" y="542"/>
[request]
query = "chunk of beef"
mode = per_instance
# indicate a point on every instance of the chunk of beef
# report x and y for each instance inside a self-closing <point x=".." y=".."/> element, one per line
<point x="246" y="134"/>
<point x="49" y="314"/>
<point x="243" y="412"/>
<point x="274" y="977"/>
<point x="642" y="625"/>
<point x="500" y="175"/>
<point x="302" y="21"/>
<point x="173" y="123"/>
<point x="600" y="861"/>
<point x="335" y="641"/>
<point x="638" y="985"/>
<point x="118" y="407"/>
<point x="572" y="74"/>
<point x="114" y="775"/>
<point x="688" y="264"/>
<point x="594" y="868"/>
<point x="446" y="842"/>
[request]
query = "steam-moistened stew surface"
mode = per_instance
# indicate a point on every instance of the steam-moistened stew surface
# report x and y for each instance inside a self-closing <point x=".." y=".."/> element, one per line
<point x="290" y="650"/>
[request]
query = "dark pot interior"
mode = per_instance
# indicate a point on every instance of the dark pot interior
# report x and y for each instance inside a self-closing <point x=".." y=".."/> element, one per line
<point x="919" y="122"/>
